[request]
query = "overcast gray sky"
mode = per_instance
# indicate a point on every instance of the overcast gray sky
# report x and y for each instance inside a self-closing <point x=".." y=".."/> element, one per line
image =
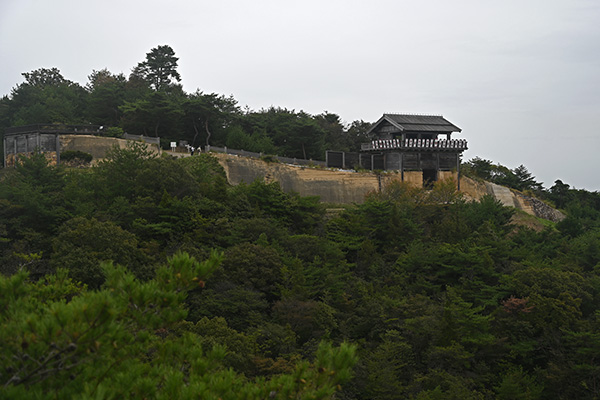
<point x="520" y="77"/>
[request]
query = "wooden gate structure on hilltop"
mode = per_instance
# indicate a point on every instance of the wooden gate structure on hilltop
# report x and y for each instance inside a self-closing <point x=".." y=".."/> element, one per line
<point x="407" y="143"/>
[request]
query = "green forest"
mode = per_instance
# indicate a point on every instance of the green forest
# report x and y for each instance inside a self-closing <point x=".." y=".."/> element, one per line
<point x="151" y="102"/>
<point x="150" y="276"/>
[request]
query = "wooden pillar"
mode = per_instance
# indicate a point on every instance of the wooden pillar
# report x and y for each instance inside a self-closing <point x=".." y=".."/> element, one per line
<point x="402" y="166"/>
<point x="458" y="171"/>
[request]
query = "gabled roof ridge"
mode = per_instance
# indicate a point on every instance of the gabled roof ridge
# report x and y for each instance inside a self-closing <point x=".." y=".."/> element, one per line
<point x="416" y="114"/>
<point x="387" y="118"/>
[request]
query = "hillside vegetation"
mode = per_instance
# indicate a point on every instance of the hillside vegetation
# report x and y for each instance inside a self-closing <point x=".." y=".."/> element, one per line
<point x="152" y="277"/>
<point x="412" y="294"/>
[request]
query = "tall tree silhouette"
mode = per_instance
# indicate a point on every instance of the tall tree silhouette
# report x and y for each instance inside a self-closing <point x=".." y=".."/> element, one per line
<point x="159" y="69"/>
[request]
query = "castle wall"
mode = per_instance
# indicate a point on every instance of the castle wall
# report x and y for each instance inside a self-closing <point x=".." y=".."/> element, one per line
<point x="46" y="143"/>
<point x="332" y="186"/>
<point x="95" y="145"/>
<point x="413" y="178"/>
<point x="345" y="187"/>
<point x="444" y="175"/>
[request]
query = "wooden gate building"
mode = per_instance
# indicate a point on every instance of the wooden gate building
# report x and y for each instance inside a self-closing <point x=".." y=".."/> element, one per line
<point x="416" y="143"/>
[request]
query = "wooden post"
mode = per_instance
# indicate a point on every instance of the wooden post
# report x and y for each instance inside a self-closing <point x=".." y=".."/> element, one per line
<point x="458" y="171"/>
<point x="402" y="166"/>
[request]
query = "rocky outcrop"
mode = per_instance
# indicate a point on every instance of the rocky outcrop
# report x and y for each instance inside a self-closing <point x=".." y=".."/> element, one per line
<point x="474" y="190"/>
<point x="536" y="207"/>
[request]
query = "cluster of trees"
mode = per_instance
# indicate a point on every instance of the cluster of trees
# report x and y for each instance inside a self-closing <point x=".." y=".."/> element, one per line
<point x="411" y="294"/>
<point x="150" y="101"/>
<point x="518" y="178"/>
<point x="581" y="205"/>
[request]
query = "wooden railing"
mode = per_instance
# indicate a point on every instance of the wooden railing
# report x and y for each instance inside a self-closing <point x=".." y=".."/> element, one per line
<point x="416" y="144"/>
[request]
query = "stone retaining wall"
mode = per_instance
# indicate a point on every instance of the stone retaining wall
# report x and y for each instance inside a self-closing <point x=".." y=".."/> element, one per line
<point x="94" y="145"/>
<point x="345" y="187"/>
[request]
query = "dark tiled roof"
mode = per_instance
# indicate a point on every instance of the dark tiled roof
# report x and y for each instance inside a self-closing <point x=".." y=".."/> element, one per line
<point x="418" y="123"/>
